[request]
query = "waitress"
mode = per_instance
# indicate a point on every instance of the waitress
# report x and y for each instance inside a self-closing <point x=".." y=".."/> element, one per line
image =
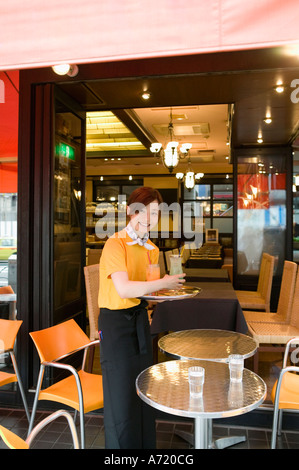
<point x="125" y="341"/>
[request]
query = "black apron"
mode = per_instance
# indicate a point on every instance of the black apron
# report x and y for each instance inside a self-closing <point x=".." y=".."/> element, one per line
<point x="125" y="351"/>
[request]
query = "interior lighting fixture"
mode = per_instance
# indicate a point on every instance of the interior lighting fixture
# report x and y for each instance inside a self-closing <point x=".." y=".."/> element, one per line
<point x="259" y="137"/>
<point x="66" y="69"/>
<point x="171" y="155"/>
<point x="279" y="88"/>
<point x="190" y="178"/>
<point x="146" y="95"/>
<point x="267" y="120"/>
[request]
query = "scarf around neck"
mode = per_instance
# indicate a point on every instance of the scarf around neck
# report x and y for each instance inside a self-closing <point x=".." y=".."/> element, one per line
<point x="136" y="239"/>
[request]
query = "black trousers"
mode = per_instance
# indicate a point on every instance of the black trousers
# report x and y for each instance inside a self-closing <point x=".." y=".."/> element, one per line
<point x="125" y="351"/>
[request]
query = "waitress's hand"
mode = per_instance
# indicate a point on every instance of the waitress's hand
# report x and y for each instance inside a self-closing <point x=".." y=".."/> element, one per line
<point x="173" y="282"/>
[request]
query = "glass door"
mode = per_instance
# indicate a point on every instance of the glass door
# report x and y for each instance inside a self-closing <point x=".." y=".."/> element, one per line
<point x="68" y="211"/>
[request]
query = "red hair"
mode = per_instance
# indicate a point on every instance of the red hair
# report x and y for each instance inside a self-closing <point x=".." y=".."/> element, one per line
<point x="142" y="197"/>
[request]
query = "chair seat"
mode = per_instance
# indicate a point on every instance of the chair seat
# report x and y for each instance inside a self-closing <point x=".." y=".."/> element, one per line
<point x="272" y="333"/>
<point x="6" y="378"/>
<point x="12" y="440"/>
<point x="261" y="317"/>
<point x="289" y="397"/>
<point x="65" y="391"/>
<point x="247" y="293"/>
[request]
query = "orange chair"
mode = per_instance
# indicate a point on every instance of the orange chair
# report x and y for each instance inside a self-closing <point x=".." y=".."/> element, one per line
<point x="6" y="290"/>
<point x="285" y="393"/>
<point x="15" y="442"/>
<point x="81" y="390"/>
<point x="8" y="333"/>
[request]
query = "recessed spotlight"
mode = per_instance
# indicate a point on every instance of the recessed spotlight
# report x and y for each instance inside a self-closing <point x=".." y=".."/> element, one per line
<point x="279" y="86"/>
<point x="267" y="120"/>
<point x="259" y="140"/>
<point x="146" y="95"/>
<point x="130" y="177"/>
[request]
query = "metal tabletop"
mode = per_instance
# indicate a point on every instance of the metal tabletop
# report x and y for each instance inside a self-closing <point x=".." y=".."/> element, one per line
<point x="165" y="387"/>
<point x="8" y="297"/>
<point x="211" y="345"/>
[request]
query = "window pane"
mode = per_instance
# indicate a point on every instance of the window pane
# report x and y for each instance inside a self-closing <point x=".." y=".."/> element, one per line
<point x="224" y="225"/>
<point x="222" y="191"/>
<point x="261" y="215"/>
<point x="200" y="191"/>
<point x="223" y="208"/>
<point x="8" y="239"/>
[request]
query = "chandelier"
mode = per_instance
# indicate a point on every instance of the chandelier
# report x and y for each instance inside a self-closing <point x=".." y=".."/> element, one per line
<point x="171" y="155"/>
<point x="189" y="177"/>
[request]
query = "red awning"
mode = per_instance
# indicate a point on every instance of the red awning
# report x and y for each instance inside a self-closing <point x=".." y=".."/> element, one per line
<point x="38" y="33"/>
<point x="9" y="115"/>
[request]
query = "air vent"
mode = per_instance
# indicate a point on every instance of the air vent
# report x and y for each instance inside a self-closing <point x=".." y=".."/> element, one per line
<point x="183" y="129"/>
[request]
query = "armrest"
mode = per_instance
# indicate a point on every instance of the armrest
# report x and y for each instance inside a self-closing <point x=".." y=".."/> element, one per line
<point x="51" y="418"/>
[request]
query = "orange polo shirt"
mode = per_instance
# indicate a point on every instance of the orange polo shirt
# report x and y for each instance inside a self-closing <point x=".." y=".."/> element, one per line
<point x="118" y="256"/>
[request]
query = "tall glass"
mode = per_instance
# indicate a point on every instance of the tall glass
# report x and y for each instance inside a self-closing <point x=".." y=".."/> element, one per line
<point x="175" y="265"/>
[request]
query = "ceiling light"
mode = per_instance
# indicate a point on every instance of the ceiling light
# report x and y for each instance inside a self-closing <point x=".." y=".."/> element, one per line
<point x="279" y="87"/>
<point x="146" y="95"/>
<point x="267" y="120"/>
<point x="66" y="69"/>
<point x="190" y="177"/>
<point x="260" y="140"/>
<point x="171" y="155"/>
<point x="130" y="177"/>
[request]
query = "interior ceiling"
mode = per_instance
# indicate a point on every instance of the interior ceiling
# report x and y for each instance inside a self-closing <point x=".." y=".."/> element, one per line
<point x="202" y="102"/>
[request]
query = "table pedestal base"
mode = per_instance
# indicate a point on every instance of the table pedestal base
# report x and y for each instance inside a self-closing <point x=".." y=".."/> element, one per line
<point x="202" y="437"/>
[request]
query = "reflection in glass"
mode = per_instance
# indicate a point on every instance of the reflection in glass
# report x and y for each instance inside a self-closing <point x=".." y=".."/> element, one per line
<point x="296" y="211"/>
<point x="261" y="217"/>
<point x="67" y="209"/>
<point x="200" y="191"/>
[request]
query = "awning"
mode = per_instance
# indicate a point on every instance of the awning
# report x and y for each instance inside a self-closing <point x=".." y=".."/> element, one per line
<point x="9" y="112"/>
<point x="38" y="33"/>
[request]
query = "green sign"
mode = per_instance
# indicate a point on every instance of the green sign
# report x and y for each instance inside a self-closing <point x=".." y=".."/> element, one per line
<point x="64" y="150"/>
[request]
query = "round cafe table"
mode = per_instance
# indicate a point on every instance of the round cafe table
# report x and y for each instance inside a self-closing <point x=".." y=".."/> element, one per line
<point x="211" y="345"/>
<point x="165" y="387"/>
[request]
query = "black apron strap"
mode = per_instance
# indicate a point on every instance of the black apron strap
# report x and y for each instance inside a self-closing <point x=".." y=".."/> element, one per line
<point x="136" y="313"/>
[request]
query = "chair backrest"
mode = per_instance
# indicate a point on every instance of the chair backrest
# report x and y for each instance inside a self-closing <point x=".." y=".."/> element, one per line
<point x="94" y="256"/>
<point x="6" y="290"/>
<point x="59" y="340"/>
<point x="92" y="279"/>
<point x="162" y="264"/>
<point x="185" y="255"/>
<point x="264" y="286"/>
<point x="287" y="287"/>
<point x="295" y="307"/>
<point x="8" y="333"/>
